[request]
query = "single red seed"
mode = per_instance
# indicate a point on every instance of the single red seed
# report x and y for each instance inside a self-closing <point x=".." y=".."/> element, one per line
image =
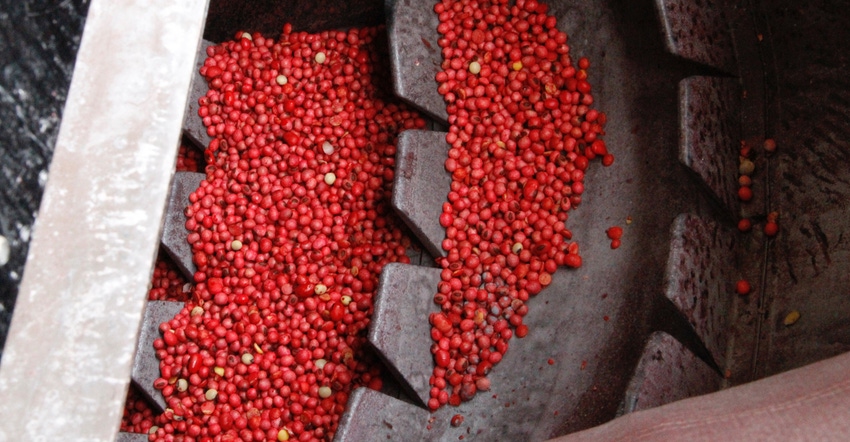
<point x="744" y="225"/>
<point x="457" y="420"/>
<point x="742" y="287"/>
<point x="771" y="228"/>
<point x="745" y="193"/>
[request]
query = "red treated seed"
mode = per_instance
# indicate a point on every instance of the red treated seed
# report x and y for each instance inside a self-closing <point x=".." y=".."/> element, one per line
<point x="457" y="420"/>
<point x="771" y="228"/>
<point x="745" y="193"/>
<point x="744" y="225"/>
<point x="742" y="287"/>
<point x="615" y="232"/>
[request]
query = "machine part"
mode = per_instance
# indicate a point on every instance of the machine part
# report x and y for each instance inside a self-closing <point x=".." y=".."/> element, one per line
<point x="69" y="353"/>
<point x="699" y="32"/>
<point x="667" y="372"/>
<point x="193" y="126"/>
<point x="415" y="56"/>
<point x="174" y="231"/>
<point x="146" y="364"/>
<point x="421" y="185"/>
<point x="711" y="135"/>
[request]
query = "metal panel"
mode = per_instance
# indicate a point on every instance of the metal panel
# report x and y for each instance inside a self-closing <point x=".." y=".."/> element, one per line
<point x="70" y="349"/>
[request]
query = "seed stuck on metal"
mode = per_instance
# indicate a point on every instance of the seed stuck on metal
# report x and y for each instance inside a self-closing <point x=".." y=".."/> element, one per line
<point x="791" y="318"/>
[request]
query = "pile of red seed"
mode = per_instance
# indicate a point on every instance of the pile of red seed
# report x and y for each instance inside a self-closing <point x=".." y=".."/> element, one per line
<point x="290" y="231"/>
<point x="522" y="134"/>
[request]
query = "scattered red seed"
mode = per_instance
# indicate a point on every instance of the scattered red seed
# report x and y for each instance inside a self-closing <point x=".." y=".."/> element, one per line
<point x="769" y="145"/>
<point x="550" y="361"/>
<point x="457" y="420"/>
<point x="771" y="229"/>
<point x="615" y="232"/>
<point x="742" y="287"/>
<point x="522" y="133"/>
<point x="744" y="225"/>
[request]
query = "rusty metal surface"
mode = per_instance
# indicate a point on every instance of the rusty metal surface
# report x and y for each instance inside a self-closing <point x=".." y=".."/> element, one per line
<point x="174" y="231"/>
<point x="668" y="372"/>
<point x="373" y="416"/>
<point x="421" y="185"/>
<point x="698" y="30"/>
<point x="701" y="276"/>
<point x="145" y="363"/>
<point x="67" y="362"/>
<point x="415" y="56"/>
<point x="710" y="140"/>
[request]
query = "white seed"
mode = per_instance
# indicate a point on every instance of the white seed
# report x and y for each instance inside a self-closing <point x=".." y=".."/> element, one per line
<point x="182" y="384"/>
<point x="517" y="247"/>
<point x="153" y="429"/>
<point x="247" y="35"/>
<point x="320" y="289"/>
<point x="219" y="371"/>
<point x="281" y="79"/>
<point x="345" y="300"/>
<point x="320" y="363"/>
<point x="197" y="311"/>
<point x="325" y="392"/>
<point x="236" y="245"/>
<point x="327" y="148"/>
<point x="320" y="57"/>
<point x="5" y="250"/>
<point x="247" y="358"/>
<point x="330" y="178"/>
<point x="211" y="394"/>
<point x="474" y="68"/>
<point x="746" y="167"/>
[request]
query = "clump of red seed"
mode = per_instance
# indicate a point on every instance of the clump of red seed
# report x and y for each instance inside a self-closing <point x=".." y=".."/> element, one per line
<point x="522" y="133"/>
<point x="289" y="231"/>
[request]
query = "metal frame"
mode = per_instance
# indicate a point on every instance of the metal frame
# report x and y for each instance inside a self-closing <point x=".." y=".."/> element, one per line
<point x="67" y="360"/>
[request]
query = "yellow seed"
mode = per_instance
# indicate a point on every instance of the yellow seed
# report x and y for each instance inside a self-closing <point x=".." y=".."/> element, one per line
<point x="355" y="270"/>
<point x="236" y="245"/>
<point x="746" y="167"/>
<point x="281" y="79"/>
<point x="257" y="348"/>
<point x="153" y="429"/>
<point x="330" y="178"/>
<point x="247" y="35"/>
<point x="517" y="65"/>
<point x="247" y="358"/>
<point x="182" y="384"/>
<point x="320" y="363"/>
<point x="219" y="371"/>
<point x="345" y="300"/>
<point x="517" y="247"/>
<point x="791" y="318"/>
<point x="211" y="394"/>
<point x="325" y="392"/>
<point x="320" y="57"/>
<point x="474" y="68"/>
<point x="197" y="311"/>
<point x="283" y="435"/>
<point x="320" y="289"/>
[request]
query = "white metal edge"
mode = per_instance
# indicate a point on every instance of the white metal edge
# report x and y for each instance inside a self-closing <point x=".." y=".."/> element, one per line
<point x="68" y="356"/>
